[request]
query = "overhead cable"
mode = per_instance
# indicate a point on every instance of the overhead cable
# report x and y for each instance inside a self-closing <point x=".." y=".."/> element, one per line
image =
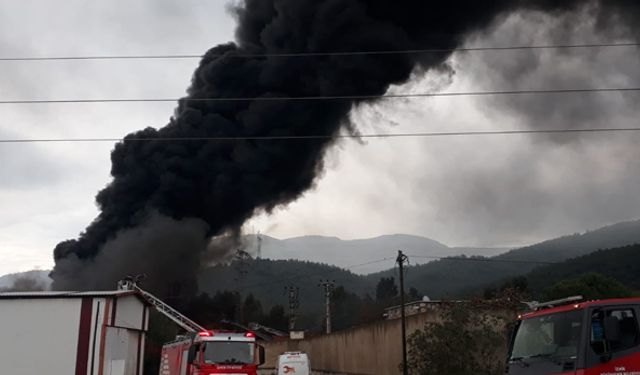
<point x="324" y="136"/>
<point x="331" y="97"/>
<point x="318" y="53"/>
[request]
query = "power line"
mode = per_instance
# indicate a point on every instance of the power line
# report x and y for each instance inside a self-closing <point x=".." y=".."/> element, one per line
<point x="265" y="275"/>
<point x="329" y="97"/>
<point x="258" y="285"/>
<point x="292" y="278"/>
<point x="460" y="259"/>
<point x="319" y="54"/>
<point x="486" y="260"/>
<point x="320" y="137"/>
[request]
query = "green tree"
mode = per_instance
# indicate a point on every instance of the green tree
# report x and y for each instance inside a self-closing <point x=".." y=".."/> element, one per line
<point x="228" y="304"/>
<point x="414" y="295"/>
<point x="251" y="310"/>
<point x="518" y="284"/>
<point x="470" y="339"/>
<point x="203" y="310"/>
<point x="370" y="310"/>
<point x="590" y="286"/>
<point x="386" y="290"/>
<point x="209" y="311"/>
<point x="277" y="318"/>
<point x="346" y="306"/>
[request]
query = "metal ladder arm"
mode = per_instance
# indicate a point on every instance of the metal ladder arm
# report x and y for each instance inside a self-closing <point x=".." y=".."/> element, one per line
<point x="166" y="310"/>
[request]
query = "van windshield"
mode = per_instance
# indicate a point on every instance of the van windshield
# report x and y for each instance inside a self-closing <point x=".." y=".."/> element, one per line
<point x="228" y="352"/>
<point x="553" y="335"/>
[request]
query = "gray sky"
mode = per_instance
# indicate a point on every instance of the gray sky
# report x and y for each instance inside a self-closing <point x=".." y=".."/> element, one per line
<point x="486" y="191"/>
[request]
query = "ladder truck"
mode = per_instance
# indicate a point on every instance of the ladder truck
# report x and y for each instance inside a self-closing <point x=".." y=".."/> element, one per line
<point x="258" y="329"/>
<point x="575" y="337"/>
<point x="201" y="351"/>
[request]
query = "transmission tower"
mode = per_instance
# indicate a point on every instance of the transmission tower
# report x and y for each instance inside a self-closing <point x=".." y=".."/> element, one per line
<point x="259" y="252"/>
<point x="328" y="286"/>
<point x="241" y="259"/>
<point x="241" y="263"/>
<point x="294" y="302"/>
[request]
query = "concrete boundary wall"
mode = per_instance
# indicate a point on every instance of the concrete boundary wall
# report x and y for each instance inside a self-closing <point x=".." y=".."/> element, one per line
<point x="374" y="348"/>
<point x="369" y="349"/>
<point x="272" y="371"/>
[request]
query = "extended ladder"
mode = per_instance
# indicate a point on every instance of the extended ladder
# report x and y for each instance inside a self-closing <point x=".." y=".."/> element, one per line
<point x="187" y="324"/>
<point x="535" y="305"/>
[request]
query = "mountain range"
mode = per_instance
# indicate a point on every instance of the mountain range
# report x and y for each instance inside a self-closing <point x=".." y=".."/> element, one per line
<point x="452" y="277"/>
<point x="346" y="253"/>
<point x="350" y="263"/>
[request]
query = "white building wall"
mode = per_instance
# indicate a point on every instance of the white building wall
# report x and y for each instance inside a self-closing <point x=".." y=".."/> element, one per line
<point x="132" y="353"/>
<point x="100" y="318"/>
<point x="129" y="313"/>
<point x="121" y="352"/>
<point x="42" y="335"/>
<point x="39" y="336"/>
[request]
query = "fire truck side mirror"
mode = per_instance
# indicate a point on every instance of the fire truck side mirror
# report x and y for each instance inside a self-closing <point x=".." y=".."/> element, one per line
<point x="612" y="329"/>
<point x="261" y="356"/>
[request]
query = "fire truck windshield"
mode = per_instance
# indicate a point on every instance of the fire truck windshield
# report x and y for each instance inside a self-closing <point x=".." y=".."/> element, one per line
<point x="553" y="336"/>
<point x="225" y="352"/>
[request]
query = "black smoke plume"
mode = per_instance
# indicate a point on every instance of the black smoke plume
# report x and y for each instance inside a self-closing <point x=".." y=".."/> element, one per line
<point x="168" y="198"/>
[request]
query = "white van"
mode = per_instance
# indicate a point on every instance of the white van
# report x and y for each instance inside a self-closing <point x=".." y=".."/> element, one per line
<point x="293" y="363"/>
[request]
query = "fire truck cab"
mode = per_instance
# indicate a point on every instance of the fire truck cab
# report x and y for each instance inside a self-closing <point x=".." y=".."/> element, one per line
<point x="579" y="338"/>
<point x="212" y="352"/>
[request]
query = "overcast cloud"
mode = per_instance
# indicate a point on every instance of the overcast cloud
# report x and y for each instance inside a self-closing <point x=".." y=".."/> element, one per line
<point x="498" y="190"/>
<point x="490" y="191"/>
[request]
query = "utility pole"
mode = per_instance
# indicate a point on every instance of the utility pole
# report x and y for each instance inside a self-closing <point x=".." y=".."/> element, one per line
<point x="241" y="261"/>
<point x="294" y="302"/>
<point x="259" y="252"/>
<point x="401" y="259"/>
<point x="328" y="286"/>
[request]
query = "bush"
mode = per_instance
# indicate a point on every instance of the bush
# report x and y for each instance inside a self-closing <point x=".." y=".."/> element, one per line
<point x="470" y="339"/>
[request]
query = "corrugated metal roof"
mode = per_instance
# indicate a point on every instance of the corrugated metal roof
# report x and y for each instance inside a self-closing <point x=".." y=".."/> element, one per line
<point x="69" y="294"/>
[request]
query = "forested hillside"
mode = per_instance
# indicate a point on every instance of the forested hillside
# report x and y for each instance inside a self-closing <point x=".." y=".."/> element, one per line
<point x="266" y="279"/>
<point x="457" y="277"/>
<point x="567" y="247"/>
<point x="622" y="264"/>
<point x="440" y="279"/>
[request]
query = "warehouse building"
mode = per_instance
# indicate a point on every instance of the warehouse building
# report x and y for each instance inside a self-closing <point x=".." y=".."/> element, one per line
<point x="72" y="333"/>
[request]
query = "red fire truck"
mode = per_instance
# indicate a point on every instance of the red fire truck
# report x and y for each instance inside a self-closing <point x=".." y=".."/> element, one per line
<point x="212" y="352"/>
<point x="200" y="351"/>
<point x="572" y="337"/>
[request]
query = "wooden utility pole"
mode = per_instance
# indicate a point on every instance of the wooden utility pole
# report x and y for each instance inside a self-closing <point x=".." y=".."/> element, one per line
<point x="401" y="259"/>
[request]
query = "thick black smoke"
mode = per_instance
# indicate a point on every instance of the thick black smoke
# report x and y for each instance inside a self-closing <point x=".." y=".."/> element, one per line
<point x="160" y="188"/>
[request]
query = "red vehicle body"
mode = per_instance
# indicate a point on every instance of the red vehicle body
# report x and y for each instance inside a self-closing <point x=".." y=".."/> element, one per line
<point x="585" y="338"/>
<point x="212" y="352"/>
